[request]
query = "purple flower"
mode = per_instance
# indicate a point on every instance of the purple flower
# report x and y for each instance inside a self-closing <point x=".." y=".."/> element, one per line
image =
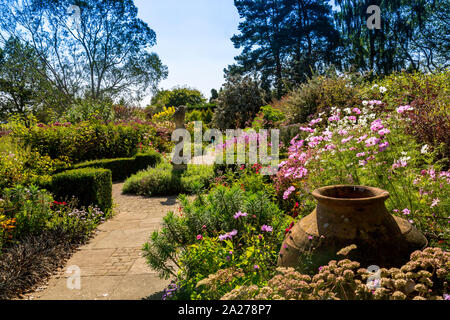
<point x="435" y="202"/>
<point x="376" y="125"/>
<point x="228" y="235"/>
<point x="446" y="296"/>
<point x="240" y="214"/>
<point x="406" y="212"/>
<point x="402" y="109"/>
<point x="288" y="192"/>
<point x="266" y="228"/>
<point x="256" y="267"/>
<point x="383" y="146"/>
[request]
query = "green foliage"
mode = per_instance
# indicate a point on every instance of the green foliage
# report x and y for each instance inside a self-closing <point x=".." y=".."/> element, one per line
<point x="194" y="241"/>
<point x="428" y="95"/>
<point x="411" y="36"/>
<point x="284" y="41"/>
<point x="29" y="207"/>
<point x="319" y="94"/>
<point x="268" y="117"/>
<point x="177" y="97"/>
<point x="238" y="103"/>
<point x="19" y="166"/>
<point x="118" y="64"/>
<point x="21" y="84"/>
<point x="122" y="168"/>
<point x="89" y="185"/>
<point x="87" y="109"/>
<point x="88" y="140"/>
<point x="197" y="227"/>
<point x="163" y="180"/>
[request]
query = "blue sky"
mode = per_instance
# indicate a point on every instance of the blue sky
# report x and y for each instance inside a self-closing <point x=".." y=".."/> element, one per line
<point x="193" y="40"/>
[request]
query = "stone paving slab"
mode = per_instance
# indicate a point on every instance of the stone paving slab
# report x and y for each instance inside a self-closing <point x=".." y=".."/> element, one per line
<point x="111" y="264"/>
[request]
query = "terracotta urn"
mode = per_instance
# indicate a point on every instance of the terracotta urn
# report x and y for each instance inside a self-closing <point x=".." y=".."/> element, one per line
<point x="348" y="215"/>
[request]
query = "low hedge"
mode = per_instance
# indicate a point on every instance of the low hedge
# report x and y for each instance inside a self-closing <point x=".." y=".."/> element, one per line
<point x="91" y="186"/>
<point x="122" y="168"/>
<point x="164" y="181"/>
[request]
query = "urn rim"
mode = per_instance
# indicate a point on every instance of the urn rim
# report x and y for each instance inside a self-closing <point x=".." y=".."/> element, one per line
<point x="350" y="194"/>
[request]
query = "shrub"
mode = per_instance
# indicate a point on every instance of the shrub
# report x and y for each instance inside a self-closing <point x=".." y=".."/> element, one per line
<point x="122" y="168"/>
<point x="428" y="95"/>
<point x="88" y="140"/>
<point x="317" y="95"/>
<point x="211" y="216"/>
<point x="238" y="103"/>
<point x="89" y="185"/>
<point x="163" y="180"/>
<point x="28" y="211"/>
<point x="268" y="117"/>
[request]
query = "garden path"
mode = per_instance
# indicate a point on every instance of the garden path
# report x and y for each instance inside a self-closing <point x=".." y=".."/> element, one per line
<point x="111" y="264"/>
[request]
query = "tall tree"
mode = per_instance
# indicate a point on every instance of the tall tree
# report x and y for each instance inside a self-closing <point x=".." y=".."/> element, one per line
<point x="99" y="50"/>
<point x="284" y="40"/>
<point x="21" y="86"/>
<point x="411" y="31"/>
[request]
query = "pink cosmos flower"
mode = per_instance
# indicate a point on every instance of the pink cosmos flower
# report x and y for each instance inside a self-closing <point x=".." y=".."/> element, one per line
<point x="384" y="132"/>
<point x="361" y="154"/>
<point x="228" y="235"/>
<point x="383" y="146"/>
<point x="352" y="118"/>
<point x="199" y="237"/>
<point x="372" y="141"/>
<point x="435" y="202"/>
<point x="315" y="121"/>
<point x="376" y="126"/>
<point x="356" y="110"/>
<point x="266" y="228"/>
<point x="406" y="212"/>
<point x="362" y="138"/>
<point x="346" y="139"/>
<point x="240" y="214"/>
<point x="334" y="118"/>
<point x="288" y="192"/>
<point x="403" y="109"/>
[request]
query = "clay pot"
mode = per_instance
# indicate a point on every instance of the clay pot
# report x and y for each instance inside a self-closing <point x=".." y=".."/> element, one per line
<point x="348" y="215"/>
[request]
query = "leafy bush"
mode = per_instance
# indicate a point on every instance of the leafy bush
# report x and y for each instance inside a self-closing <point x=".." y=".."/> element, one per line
<point x="177" y="97"/>
<point x="89" y="140"/>
<point x="86" y="109"/>
<point x="163" y="180"/>
<point x="424" y="277"/>
<point x="318" y="95"/>
<point x="238" y="103"/>
<point x="122" y="168"/>
<point x="27" y="209"/>
<point x="89" y="185"/>
<point x="25" y="167"/>
<point x="428" y="95"/>
<point x="268" y="117"/>
<point x="228" y="227"/>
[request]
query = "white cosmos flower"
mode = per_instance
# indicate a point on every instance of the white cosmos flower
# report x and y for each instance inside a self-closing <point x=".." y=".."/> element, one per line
<point x="383" y="89"/>
<point x="424" y="149"/>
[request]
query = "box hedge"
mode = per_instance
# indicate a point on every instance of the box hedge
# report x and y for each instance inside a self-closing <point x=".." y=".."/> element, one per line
<point x="122" y="168"/>
<point x="91" y="186"/>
